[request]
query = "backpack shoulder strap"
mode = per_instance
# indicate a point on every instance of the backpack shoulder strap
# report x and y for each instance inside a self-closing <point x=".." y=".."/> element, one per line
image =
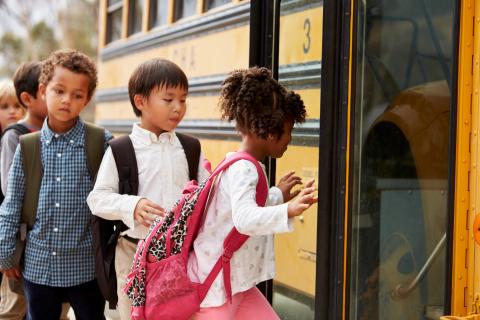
<point x="33" y="170"/>
<point x="21" y="129"/>
<point x="234" y="239"/>
<point x="126" y="161"/>
<point x="191" y="147"/>
<point x="94" y="147"/>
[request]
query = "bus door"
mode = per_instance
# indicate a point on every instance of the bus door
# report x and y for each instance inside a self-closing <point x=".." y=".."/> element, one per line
<point x="387" y="124"/>
<point x="286" y="37"/>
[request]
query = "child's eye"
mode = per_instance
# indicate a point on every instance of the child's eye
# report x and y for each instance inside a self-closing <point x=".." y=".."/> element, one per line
<point x="4" y="106"/>
<point x="58" y="91"/>
<point x="168" y="100"/>
<point x="78" y="96"/>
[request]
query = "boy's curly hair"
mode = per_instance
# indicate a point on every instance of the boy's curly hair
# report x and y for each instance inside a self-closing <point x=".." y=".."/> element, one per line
<point x="72" y="60"/>
<point x="258" y="104"/>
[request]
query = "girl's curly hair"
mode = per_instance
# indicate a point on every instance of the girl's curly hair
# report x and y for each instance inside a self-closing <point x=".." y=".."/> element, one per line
<point x="72" y="60"/>
<point x="258" y="104"/>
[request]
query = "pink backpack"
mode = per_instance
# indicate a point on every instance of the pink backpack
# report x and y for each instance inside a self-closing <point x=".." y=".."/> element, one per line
<point x="158" y="285"/>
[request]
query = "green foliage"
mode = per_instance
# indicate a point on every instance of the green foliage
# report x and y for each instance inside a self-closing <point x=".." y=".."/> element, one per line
<point x="11" y="47"/>
<point x="43" y="39"/>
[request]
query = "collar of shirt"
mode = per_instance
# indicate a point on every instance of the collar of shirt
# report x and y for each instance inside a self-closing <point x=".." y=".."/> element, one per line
<point x="147" y="137"/>
<point x="74" y="135"/>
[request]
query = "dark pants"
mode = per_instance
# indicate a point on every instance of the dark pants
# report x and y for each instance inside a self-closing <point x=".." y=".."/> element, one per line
<point x="45" y="302"/>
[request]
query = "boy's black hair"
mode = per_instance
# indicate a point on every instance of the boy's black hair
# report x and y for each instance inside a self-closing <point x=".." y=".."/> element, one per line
<point x="154" y="73"/>
<point x="25" y="79"/>
<point x="258" y="103"/>
<point x="72" y="60"/>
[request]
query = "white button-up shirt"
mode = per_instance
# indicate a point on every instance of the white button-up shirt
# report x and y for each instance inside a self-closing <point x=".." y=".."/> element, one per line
<point x="233" y="204"/>
<point x="162" y="174"/>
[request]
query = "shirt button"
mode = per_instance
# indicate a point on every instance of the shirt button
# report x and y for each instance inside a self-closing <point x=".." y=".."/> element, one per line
<point x="58" y="179"/>
<point x="54" y="253"/>
<point x="57" y="204"/>
<point x="56" y="135"/>
<point x="59" y="155"/>
<point x="71" y="141"/>
<point x="55" y="229"/>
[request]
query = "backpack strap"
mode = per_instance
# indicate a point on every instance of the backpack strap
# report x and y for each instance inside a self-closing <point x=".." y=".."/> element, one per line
<point x="107" y="232"/>
<point x="191" y="147"/>
<point x="94" y="150"/>
<point x="234" y="239"/>
<point x="21" y="129"/>
<point x="33" y="170"/>
<point x="126" y="161"/>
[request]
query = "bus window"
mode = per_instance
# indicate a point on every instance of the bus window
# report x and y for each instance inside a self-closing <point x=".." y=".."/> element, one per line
<point x="402" y="98"/>
<point x="210" y="4"/>
<point x="185" y="8"/>
<point x="158" y="13"/>
<point x="114" y="20"/>
<point x="135" y="13"/>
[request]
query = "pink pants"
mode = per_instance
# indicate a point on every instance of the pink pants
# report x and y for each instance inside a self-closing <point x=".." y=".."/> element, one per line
<point x="250" y="304"/>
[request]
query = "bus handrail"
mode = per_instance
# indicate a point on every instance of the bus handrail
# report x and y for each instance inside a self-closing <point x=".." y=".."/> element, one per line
<point x="402" y="290"/>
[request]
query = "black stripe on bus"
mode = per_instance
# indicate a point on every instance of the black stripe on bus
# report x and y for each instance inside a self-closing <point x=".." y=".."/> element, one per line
<point x="294" y="76"/>
<point x="305" y="134"/>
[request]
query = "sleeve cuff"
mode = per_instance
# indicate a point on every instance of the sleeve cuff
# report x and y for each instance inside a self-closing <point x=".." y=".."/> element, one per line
<point x="287" y="224"/>
<point x="6" y="264"/>
<point x="128" y="211"/>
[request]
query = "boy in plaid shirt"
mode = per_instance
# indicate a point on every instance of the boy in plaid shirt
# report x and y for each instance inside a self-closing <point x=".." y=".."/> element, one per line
<point x="59" y="263"/>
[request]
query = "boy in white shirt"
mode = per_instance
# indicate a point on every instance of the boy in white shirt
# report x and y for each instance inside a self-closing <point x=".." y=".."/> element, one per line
<point x="158" y="90"/>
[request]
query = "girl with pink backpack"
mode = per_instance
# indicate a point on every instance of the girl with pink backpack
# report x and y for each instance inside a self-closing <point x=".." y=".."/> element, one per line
<point x="264" y="113"/>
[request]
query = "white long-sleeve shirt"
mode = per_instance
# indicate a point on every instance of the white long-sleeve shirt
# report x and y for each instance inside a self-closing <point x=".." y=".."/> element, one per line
<point x="162" y="174"/>
<point x="233" y="204"/>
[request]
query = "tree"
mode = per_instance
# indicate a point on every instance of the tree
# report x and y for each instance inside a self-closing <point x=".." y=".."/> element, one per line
<point x="11" y="47"/>
<point x="43" y="39"/>
<point x="37" y="27"/>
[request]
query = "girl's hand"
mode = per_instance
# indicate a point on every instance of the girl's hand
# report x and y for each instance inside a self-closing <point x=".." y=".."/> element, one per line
<point x="146" y="211"/>
<point x="304" y="200"/>
<point x="286" y="183"/>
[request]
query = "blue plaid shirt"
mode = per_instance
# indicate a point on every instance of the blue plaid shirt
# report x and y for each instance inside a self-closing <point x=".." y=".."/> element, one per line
<point x="58" y="250"/>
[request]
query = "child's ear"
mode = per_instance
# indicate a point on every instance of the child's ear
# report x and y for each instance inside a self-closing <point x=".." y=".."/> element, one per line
<point x="41" y="90"/>
<point x="139" y="102"/>
<point x="26" y="98"/>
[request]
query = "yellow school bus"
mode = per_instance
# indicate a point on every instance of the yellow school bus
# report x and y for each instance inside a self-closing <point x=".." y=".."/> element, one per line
<point x="395" y="231"/>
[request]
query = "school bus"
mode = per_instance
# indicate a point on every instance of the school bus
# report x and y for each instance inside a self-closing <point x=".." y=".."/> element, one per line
<point x="391" y="89"/>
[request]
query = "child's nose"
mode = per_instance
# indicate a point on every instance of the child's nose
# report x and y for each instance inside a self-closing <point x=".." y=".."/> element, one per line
<point x="177" y="106"/>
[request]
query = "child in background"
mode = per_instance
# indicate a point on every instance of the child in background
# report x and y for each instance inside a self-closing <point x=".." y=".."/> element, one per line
<point x="11" y="110"/>
<point x="25" y="81"/>
<point x="158" y="91"/>
<point x="58" y="258"/>
<point x="12" y="304"/>
<point x="265" y="114"/>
